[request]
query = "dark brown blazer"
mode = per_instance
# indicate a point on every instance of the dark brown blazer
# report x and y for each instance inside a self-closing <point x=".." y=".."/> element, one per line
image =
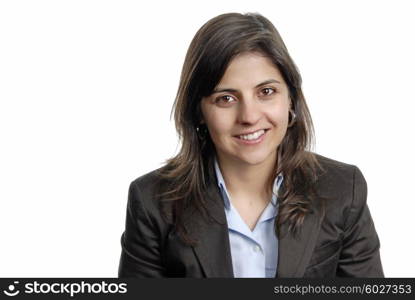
<point x="342" y="242"/>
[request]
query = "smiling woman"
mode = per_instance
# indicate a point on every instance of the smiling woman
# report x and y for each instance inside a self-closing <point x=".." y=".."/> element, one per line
<point x="249" y="107"/>
<point x="245" y="196"/>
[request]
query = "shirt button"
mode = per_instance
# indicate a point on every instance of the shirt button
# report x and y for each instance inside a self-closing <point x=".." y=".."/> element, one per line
<point x="257" y="248"/>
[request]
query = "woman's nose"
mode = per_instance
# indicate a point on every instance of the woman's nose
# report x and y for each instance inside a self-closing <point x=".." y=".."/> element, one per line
<point x="249" y="111"/>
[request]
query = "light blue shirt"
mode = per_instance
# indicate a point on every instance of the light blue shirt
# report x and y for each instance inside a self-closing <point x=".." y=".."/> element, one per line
<point x="254" y="253"/>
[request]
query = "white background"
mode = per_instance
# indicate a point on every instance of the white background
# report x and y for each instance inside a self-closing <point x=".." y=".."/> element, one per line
<point x="86" y="89"/>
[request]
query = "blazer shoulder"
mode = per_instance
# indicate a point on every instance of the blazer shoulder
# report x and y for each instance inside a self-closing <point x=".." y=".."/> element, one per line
<point x="335" y="172"/>
<point x="144" y="192"/>
<point x="148" y="180"/>
<point x="150" y="183"/>
<point x="341" y="182"/>
<point x="329" y="164"/>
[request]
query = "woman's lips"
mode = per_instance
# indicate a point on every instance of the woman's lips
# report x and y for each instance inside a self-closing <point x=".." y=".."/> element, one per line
<point x="253" y="138"/>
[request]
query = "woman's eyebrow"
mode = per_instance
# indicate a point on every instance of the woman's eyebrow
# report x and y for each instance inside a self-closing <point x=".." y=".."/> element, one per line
<point x="267" y="82"/>
<point x="230" y="90"/>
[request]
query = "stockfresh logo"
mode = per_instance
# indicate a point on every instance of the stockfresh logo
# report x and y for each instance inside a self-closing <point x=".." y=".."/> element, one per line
<point x="12" y="290"/>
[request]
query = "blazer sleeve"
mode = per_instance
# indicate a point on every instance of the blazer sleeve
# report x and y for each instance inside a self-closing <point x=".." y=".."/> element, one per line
<point x="140" y="255"/>
<point x="360" y="253"/>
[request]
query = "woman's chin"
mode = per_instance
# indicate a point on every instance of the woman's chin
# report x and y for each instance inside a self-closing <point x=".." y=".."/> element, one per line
<point x="257" y="158"/>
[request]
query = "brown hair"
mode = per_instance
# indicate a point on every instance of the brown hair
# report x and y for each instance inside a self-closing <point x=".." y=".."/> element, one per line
<point x="210" y="52"/>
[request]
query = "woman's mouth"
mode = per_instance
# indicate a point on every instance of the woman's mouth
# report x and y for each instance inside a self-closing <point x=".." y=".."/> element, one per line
<point x="252" y="138"/>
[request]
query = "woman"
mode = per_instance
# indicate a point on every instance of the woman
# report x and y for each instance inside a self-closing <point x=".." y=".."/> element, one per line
<point x="244" y="197"/>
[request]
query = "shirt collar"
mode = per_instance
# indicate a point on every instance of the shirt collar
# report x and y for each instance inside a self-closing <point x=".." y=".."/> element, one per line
<point x="222" y="186"/>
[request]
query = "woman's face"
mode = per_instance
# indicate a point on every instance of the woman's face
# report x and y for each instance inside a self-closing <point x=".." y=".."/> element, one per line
<point x="247" y="114"/>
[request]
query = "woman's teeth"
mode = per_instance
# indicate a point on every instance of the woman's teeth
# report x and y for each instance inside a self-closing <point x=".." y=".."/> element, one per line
<point x="252" y="136"/>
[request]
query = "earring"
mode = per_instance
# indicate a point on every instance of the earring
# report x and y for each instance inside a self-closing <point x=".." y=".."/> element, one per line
<point x="293" y="118"/>
<point x="201" y="131"/>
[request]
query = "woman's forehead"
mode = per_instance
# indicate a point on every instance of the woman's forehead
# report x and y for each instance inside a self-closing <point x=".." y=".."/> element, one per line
<point x="251" y="69"/>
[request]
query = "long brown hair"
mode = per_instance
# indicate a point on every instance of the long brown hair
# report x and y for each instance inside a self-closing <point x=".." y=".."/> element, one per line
<point x="187" y="173"/>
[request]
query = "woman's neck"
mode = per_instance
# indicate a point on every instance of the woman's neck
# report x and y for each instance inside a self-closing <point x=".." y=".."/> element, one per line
<point x="246" y="179"/>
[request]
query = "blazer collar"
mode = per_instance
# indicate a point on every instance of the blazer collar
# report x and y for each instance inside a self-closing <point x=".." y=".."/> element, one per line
<point x="213" y="247"/>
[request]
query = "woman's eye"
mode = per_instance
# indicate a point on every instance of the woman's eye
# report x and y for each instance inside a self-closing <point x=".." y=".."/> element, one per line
<point x="267" y="91"/>
<point x="225" y="99"/>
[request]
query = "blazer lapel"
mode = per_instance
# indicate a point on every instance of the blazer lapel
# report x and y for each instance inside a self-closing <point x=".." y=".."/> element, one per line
<point x="213" y="248"/>
<point x="294" y="252"/>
